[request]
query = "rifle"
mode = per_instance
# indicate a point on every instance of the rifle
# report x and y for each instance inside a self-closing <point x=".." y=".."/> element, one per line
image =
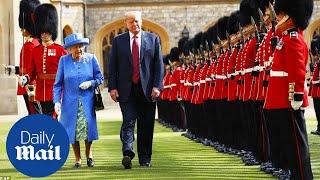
<point x="228" y="41"/>
<point x="220" y="45"/>
<point x="253" y="23"/>
<point x="273" y="16"/>
<point x="261" y="22"/>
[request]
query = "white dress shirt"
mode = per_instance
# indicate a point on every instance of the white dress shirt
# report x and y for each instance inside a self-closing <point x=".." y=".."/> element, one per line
<point x="138" y="40"/>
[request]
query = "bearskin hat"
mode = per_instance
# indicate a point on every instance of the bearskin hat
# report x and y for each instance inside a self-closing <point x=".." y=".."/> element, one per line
<point x="315" y="45"/>
<point x="204" y="39"/>
<point x="174" y="54"/>
<point x="181" y="43"/>
<point x="222" y="27"/>
<point x="299" y="10"/>
<point x="46" y="20"/>
<point x="26" y="15"/>
<point x="166" y="59"/>
<point x="212" y="34"/>
<point x="197" y="41"/>
<point x="264" y="3"/>
<point x="188" y="46"/>
<point x="248" y="9"/>
<point x="233" y="22"/>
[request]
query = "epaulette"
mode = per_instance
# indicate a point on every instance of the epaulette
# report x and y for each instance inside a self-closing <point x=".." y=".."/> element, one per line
<point x="294" y="34"/>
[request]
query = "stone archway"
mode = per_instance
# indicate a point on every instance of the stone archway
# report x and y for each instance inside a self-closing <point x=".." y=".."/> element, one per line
<point x="67" y="30"/>
<point x="102" y="41"/>
<point x="313" y="26"/>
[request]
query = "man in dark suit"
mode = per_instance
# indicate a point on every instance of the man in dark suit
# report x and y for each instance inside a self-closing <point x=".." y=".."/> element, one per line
<point x="135" y="80"/>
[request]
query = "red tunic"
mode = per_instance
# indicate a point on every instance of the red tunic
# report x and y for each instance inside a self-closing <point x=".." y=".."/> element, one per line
<point x="208" y="80"/>
<point x="189" y="84"/>
<point x="219" y="82"/>
<point x="264" y="62"/>
<point x="224" y="73"/>
<point x="289" y="66"/>
<point x="166" y="86"/>
<point x="232" y="82"/>
<point x="196" y="84"/>
<point x="203" y="75"/>
<point x="248" y="64"/>
<point x="315" y="82"/>
<point x="174" y="84"/>
<point x="26" y="61"/>
<point x="45" y="60"/>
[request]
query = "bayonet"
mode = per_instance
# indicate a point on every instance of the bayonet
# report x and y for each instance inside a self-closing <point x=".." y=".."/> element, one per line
<point x="228" y="40"/>
<point x="262" y="24"/>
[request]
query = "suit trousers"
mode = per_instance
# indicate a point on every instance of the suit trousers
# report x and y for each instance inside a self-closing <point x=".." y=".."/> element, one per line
<point x="316" y="105"/>
<point x="139" y="109"/>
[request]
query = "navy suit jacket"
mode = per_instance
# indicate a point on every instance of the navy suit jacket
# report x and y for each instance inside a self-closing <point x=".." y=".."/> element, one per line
<point x="121" y="66"/>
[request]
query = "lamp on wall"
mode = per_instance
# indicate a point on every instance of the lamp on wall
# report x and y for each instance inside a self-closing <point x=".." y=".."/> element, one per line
<point x="185" y="32"/>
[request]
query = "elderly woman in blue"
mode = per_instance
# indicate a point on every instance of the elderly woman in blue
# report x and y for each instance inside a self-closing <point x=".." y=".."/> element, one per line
<point x="77" y="76"/>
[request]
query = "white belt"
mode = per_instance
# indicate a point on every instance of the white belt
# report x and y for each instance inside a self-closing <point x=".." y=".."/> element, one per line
<point x="234" y="74"/>
<point x="220" y="77"/>
<point x="181" y="81"/>
<point x="208" y="79"/>
<point x="228" y="75"/>
<point x="315" y="82"/>
<point x="202" y="81"/>
<point x="196" y="83"/>
<point x="278" y="74"/>
<point x="261" y="68"/>
<point x="173" y="84"/>
<point x="248" y="70"/>
<point x="168" y="86"/>
<point x="188" y="84"/>
<point x="239" y="72"/>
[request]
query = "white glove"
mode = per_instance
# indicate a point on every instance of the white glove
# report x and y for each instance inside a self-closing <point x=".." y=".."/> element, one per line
<point x="296" y="104"/>
<point x="23" y="80"/>
<point x="57" y="108"/>
<point x="85" y="85"/>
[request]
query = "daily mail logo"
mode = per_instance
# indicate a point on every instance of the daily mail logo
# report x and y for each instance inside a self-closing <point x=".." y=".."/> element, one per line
<point x="37" y="145"/>
<point x="28" y="152"/>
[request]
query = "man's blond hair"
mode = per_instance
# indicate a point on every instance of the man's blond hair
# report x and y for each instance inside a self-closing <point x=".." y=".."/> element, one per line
<point x="133" y="14"/>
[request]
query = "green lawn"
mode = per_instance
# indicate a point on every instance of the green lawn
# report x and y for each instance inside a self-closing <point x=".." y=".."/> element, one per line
<point x="174" y="157"/>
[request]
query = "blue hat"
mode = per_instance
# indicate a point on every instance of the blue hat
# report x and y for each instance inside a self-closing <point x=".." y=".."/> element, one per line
<point x="73" y="39"/>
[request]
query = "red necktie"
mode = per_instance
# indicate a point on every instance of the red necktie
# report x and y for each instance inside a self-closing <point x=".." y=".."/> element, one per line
<point x="135" y="61"/>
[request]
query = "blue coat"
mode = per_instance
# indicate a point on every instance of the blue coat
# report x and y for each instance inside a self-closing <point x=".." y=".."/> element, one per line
<point x="70" y="75"/>
<point x="121" y="69"/>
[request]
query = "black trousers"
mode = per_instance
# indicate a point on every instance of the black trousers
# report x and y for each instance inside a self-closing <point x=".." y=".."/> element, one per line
<point x="26" y="101"/>
<point x="139" y="109"/>
<point x="289" y="142"/>
<point x="316" y="104"/>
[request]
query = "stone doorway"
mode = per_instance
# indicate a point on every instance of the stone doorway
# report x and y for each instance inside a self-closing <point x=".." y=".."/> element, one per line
<point x="104" y="36"/>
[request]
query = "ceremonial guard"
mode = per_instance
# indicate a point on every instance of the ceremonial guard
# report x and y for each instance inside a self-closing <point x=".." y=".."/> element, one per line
<point x="26" y="24"/>
<point x="286" y="95"/>
<point x="314" y="91"/>
<point x="45" y="58"/>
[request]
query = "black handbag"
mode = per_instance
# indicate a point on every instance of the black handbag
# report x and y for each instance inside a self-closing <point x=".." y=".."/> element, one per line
<point x="98" y="103"/>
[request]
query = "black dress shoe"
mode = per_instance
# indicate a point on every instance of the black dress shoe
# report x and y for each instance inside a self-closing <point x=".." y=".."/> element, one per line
<point x="126" y="162"/>
<point x="77" y="165"/>
<point x="146" y="164"/>
<point x="90" y="162"/>
<point x="317" y="132"/>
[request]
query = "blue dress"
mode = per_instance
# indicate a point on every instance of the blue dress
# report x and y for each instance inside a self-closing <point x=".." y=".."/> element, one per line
<point x="70" y="75"/>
